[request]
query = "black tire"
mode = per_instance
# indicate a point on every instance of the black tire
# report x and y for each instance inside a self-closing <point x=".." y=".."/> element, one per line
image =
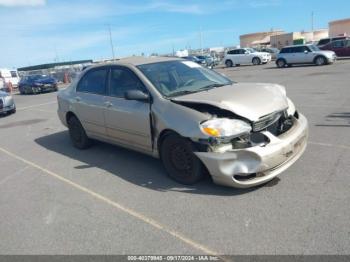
<point x="179" y="161"/>
<point x="228" y="63"/>
<point x="320" y="61"/>
<point x="77" y="133"/>
<point x="13" y="111"/>
<point x="256" y="61"/>
<point x="281" y="63"/>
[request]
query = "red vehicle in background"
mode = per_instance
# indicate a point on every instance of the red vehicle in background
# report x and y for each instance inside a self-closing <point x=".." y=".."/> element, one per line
<point x="340" y="47"/>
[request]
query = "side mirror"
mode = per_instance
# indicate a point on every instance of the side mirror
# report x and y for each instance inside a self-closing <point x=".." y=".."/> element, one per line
<point x="137" y="95"/>
<point x="305" y="51"/>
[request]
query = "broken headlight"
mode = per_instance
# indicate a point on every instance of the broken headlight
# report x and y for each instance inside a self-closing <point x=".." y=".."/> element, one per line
<point x="225" y="128"/>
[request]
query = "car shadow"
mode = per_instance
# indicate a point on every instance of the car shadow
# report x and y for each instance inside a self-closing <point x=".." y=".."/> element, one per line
<point x="289" y="67"/>
<point x="134" y="167"/>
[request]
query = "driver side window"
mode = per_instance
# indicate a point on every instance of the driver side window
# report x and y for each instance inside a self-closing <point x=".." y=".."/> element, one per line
<point x="123" y="80"/>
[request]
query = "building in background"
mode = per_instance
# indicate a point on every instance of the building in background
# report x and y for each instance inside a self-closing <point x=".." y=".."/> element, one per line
<point x="258" y="39"/>
<point x="293" y="38"/>
<point x="339" y="27"/>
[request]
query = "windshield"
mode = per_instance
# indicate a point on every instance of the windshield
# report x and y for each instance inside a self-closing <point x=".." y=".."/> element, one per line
<point x="251" y="50"/>
<point x="175" y="78"/>
<point x="314" y="48"/>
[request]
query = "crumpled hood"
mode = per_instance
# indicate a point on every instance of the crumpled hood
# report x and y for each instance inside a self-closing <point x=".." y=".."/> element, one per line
<point x="248" y="100"/>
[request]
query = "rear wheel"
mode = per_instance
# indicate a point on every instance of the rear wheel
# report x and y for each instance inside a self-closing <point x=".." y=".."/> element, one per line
<point x="281" y="63"/>
<point x="228" y="63"/>
<point x="77" y="134"/>
<point x="320" y="60"/>
<point x="256" y="61"/>
<point x="179" y="160"/>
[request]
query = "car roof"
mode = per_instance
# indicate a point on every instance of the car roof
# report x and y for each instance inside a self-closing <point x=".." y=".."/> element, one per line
<point x="296" y="45"/>
<point x="139" y="60"/>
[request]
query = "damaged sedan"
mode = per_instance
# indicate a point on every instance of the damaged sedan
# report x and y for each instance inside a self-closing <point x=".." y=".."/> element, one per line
<point x="194" y="119"/>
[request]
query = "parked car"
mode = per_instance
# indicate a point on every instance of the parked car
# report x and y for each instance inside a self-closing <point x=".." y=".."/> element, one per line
<point x="195" y="59"/>
<point x="7" y="104"/>
<point x="304" y="54"/>
<point x="325" y="41"/>
<point x="34" y="84"/>
<point x="271" y="50"/>
<point x="246" y="56"/>
<point x="192" y="118"/>
<point x="209" y="61"/>
<point x="340" y="47"/>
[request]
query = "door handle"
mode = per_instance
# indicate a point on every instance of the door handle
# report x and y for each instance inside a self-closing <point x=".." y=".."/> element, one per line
<point x="108" y="104"/>
<point x="77" y="98"/>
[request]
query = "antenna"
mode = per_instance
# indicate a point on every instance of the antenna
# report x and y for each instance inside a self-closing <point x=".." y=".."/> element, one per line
<point x="111" y="40"/>
<point x="312" y="21"/>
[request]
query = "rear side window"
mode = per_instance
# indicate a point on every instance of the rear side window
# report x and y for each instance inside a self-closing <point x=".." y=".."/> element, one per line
<point x="285" y="50"/>
<point x="123" y="80"/>
<point x="231" y="52"/>
<point x="338" y="44"/>
<point x="14" y="74"/>
<point x="94" y="82"/>
<point x="324" y="41"/>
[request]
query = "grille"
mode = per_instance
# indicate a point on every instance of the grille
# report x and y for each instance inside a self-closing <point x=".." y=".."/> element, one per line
<point x="266" y="121"/>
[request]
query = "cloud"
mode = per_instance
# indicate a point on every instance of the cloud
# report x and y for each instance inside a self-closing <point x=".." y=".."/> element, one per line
<point x="14" y="3"/>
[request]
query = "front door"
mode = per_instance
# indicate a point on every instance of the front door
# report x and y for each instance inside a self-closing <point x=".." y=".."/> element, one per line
<point x="127" y="121"/>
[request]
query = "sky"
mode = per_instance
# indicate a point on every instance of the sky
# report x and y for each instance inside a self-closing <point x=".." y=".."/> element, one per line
<point x="46" y="31"/>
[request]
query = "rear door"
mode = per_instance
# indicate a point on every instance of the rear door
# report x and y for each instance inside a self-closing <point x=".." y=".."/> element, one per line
<point x="89" y="100"/>
<point x="347" y="48"/>
<point x="339" y="47"/>
<point x="127" y="121"/>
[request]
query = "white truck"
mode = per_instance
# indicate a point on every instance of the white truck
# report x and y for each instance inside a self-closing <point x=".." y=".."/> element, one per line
<point x="9" y="76"/>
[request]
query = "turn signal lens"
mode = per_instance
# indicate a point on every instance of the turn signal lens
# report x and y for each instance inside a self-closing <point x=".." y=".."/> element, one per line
<point x="211" y="131"/>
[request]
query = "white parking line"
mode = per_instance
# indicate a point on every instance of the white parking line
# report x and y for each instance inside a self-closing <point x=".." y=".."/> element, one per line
<point x="329" y="145"/>
<point x="26" y="107"/>
<point x="118" y="206"/>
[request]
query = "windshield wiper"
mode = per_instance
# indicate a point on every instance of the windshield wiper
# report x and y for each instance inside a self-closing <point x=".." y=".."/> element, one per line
<point x="207" y="87"/>
<point x="180" y="93"/>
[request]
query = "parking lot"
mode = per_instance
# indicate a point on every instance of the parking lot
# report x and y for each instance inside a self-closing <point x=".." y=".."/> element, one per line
<point x="55" y="199"/>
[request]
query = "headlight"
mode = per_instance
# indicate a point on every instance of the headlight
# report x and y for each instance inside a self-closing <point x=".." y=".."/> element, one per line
<point x="223" y="127"/>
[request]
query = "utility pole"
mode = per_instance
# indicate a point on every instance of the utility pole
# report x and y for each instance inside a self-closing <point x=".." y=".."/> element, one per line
<point x="201" y="39"/>
<point x="111" y="40"/>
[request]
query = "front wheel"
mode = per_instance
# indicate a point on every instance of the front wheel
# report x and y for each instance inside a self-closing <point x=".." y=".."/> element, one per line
<point x="256" y="61"/>
<point x="281" y="63"/>
<point x="77" y="134"/>
<point x="180" y="162"/>
<point x="319" y="61"/>
<point x="228" y="63"/>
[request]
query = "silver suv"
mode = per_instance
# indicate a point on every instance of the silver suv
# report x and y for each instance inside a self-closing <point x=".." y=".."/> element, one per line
<point x="304" y="54"/>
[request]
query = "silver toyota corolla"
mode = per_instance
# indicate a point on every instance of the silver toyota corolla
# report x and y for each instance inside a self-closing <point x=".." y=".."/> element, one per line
<point x="192" y="118"/>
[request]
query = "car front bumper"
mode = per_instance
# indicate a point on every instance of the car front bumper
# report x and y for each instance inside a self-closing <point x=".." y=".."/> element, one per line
<point x="7" y="107"/>
<point x="244" y="168"/>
